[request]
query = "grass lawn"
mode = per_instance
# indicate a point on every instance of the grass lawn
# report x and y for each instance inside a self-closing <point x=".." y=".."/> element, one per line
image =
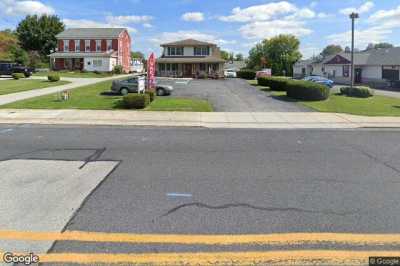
<point x="13" y="86"/>
<point x="98" y="97"/>
<point x="374" y="106"/>
<point x="71" y="74"/>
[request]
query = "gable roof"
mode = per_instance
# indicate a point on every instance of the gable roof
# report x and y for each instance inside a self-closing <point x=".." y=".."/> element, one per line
<point x="188" y="42"/>
<point x="389" y="56"/>
<point x="90" y="33"/>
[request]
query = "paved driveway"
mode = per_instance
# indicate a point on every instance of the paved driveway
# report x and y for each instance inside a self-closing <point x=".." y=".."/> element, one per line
<point x="234" y="95"/>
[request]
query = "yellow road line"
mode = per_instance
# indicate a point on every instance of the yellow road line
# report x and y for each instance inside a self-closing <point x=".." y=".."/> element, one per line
<point x="295" y="257"/>
<point x="261" y="239"/>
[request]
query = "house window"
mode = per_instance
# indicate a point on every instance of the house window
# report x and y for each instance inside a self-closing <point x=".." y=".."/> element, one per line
<point x="174" y="67"/>
<point x="97" y="63"/>
<point x="346" y="71"/>
<point x="202" y="67"/>
<point x="162" y="67"/>
<point x="168" y="67"/>
<point x="202" y="51"/>
<point x="109" y="45"/>
<point x="77" y="45"/>
<point x="66" y="45"/>
<point x="98" y="45"/>
<point x="87" y="45"/>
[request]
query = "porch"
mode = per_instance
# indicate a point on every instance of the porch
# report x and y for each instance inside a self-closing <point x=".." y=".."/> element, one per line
<point x="67" y="63"/>
<point x="190" y="70"/>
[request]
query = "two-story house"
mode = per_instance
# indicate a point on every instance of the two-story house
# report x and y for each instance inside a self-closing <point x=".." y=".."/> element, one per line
<point x="190" y="58"/>
<point x="92" y="49"/>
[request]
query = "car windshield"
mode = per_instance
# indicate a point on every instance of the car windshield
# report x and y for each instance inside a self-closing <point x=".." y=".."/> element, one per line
<point x="200" y="132"/>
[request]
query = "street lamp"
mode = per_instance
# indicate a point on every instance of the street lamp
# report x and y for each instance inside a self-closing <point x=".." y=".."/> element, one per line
<point x="353" y="17"/>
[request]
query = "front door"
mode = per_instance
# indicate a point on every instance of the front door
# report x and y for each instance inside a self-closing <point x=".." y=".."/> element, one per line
<point x="188" y="70"/>
<point x="358" y="75"/>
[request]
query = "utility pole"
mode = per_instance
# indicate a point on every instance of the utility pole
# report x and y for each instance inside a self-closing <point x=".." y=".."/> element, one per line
<point x="353" y="17"/>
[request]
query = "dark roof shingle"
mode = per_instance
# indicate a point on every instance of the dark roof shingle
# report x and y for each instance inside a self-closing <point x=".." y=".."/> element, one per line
<point x="188" y="42"/>
<point x="90" y="33"/>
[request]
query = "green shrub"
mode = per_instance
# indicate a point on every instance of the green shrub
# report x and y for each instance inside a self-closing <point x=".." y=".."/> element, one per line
<point x="18" y="76"/>
<point x="274" y="83"/>
<point x="53" y="77"/>
<point x="136" y="101"/>
<point x="118" y="70"/>
<point x="306" y="90"/>
<point x="246" y="74"/>
<point x="152" y="95"/>
<point x="359" y="92"/>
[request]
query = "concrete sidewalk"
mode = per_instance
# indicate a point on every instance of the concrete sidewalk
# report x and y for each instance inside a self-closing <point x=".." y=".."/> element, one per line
<point x="75" y="83"/>
<point x="280" y="120"/>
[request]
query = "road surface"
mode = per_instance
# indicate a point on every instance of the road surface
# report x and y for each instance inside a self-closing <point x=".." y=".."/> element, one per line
<point x="104" y="187"/>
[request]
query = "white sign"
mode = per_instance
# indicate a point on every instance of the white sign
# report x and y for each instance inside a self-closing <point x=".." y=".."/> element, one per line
<point x="141" y="84"/>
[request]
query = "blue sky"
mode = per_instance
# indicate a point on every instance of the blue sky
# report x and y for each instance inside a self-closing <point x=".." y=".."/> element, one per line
<point x="236" y="25"/>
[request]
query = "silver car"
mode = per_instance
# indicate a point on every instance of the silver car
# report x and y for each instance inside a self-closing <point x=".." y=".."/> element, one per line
<point x="130" y="85"/>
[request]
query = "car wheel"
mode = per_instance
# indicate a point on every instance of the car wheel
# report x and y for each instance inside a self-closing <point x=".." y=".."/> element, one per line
<point x="27" y="74"/>
<point x="124" y="91"/>
<point x="160" y="92"/>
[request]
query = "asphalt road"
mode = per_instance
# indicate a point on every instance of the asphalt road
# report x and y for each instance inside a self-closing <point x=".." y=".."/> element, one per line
<point x="225" y="181"/>
<point x="235" y="95"/>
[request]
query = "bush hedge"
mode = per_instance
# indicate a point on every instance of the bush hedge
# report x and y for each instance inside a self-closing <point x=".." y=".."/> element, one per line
<point x="274" y="83"/>
<point x="359" y="92"/>
<point x="117" y="70"/>
<point x="246" y="74"/>
<point x="152" y="95"/>
<point x="53" y="77"/>
<point x="136" y="101"/>
<point x="18" y="75"/>
<point x="306" y="90"/>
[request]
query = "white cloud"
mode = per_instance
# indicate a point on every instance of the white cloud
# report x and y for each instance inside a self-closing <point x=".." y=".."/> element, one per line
<point x="166" y="37"/>
<point x="147" y="25"/>
<point x="381" y="26"/>
<point x="259" y="12"/>
<point x="193" y="16"/>
<point x="22" y="8"/>
<point x="268" y="29"/>
<point x="85" y="23"/>
<point x="362" y="37"/>
<point x="386" y="19"/>
<point x="364" y="8"/>
<point x="123" y="20"/>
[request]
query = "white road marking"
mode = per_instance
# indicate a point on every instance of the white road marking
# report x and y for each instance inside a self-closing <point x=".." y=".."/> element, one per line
<point x="42" y="195"/>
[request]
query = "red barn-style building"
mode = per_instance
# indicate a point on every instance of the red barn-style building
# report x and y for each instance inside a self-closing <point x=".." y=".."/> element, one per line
<point x="92" y="49"/>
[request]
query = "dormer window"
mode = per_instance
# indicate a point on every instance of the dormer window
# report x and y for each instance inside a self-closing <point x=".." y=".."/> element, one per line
<point x="202" y="51"/>
<point x="172" y="51"/>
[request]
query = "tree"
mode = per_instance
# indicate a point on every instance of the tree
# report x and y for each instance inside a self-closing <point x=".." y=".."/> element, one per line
<point x="39" y="33"/>
<point x="18" y="55"/>
<point x="239" y="57"/>
<point x="383" y="45"/>
<point x="331" y="50"/>
<point x="283" y="52"/>
<point x="137" y="55"/>
<point x="231" y="56"/>
<point x="225" y="55"/>
<point x="279" y="53"/>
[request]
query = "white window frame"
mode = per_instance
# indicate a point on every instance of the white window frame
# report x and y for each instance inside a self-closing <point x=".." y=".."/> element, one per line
<point x="97" y="63"/>
<point x="77" y="45"/>
<point x="66" y="46"/>
<point x="98" y="45"/>
<point x="87" y="45"/>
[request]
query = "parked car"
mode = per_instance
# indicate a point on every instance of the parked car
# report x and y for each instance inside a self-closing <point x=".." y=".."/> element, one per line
<point x="266" y="72"/>
<point x="230" y="73"/>
<point x="130" y="85"/>
<point x="7" y="68"/>
<point x="320" y="80"/>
